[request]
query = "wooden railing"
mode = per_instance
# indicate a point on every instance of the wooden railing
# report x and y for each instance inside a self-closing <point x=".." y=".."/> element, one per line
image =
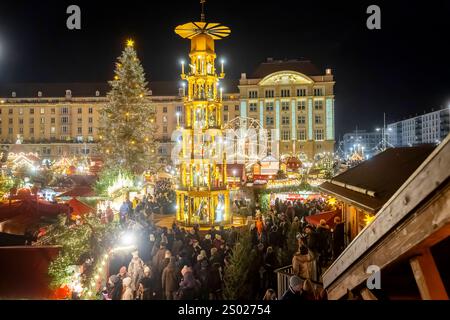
<point x="283" y="276"/>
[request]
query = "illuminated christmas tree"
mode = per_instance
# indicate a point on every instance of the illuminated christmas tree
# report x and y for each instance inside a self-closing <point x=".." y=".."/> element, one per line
<point x="127" y="125"/>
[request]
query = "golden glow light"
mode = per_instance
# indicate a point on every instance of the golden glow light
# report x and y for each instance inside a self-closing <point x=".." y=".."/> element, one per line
<point x="130" y="43"/>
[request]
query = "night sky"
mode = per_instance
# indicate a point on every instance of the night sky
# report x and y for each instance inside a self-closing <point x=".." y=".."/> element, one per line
<point x="402" y="69"/>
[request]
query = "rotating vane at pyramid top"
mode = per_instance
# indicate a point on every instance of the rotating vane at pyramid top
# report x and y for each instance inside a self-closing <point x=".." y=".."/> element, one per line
<point x="213" y="29"/>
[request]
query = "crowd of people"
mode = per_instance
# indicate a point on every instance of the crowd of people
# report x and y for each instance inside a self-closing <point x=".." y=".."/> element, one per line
<point x="171" y="263"/>
<point x="178" y="263"/>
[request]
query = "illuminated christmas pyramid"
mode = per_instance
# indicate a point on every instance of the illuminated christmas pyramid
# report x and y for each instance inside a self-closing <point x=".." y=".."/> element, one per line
<point x="202" y="196"/>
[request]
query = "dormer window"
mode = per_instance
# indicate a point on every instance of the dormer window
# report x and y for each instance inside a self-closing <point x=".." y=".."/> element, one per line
<point x="39" y="94"/>
<point x="13" y="94"/>
<point x="97" y="93"/>
<point x="68" y="93"/>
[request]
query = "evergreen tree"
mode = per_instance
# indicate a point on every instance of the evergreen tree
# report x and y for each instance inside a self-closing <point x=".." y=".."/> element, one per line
<point x="238" y="276"/>
<point x="127" y="124"/>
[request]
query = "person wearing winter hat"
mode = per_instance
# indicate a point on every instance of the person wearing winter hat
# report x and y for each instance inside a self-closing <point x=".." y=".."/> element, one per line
<point x="127" y="292"/>
<point x="115" y="287"/>
<point x="295" y="289"/>
<point x="135" y="270"/>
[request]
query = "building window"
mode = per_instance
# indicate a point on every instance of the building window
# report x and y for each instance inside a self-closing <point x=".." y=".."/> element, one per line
<point x="284" y="120"/>
<point x="225" y="117"/>
<point x="10" y="130"/>
<point x="64" y="110"/>
<point x="52" y="111"/>
<point x="301" y="119"/>
<point x="301" y="92"/>
<point x="90" y="130"/>
<point x="31" y="110"/>
<point x="64" y="120"/>
<point x="31" y="130"/>
<point x="179" y="108"/>
<point x="285" y="92"/>
<point x="253" y="94"/>
<point x="252" y="106"/>
<point x="10" y="111"/>
<point x="318" y="119"/>
<point x="318" y="104"/>
<point x="164" y="129"/>
<point x="286" y="135"/>
<point x="21" y="130"/>
<point x="42" y="110"/>
<point x="225" y="108"/>
<point x="10" y="121"/>
<point x="42" y="120"/>
<point x="284" y="105"/>
<point x="80" y="110"/>
<point x="20" y="110"/>
<point x="269" y="121"/>
<point x="79" y="120"/>
<point x="301" y="135"/>
<point x="164" y="109"/>
<point x="91" y="110"/>
<point x="318" y="91"/>
<point x="52" y="130"/>
<point x="319" y="134"/>
<point x="269" y="106"/>
<point x="21" y="121"/>
<point x="80" y="130"/>
<point x="301" y="105"/>
<point x="236" y="107"/>
<point x="31" y="120"/>
<point x="90" y="120"/>
<point x="90" y="139"/>
<point x="270" y="93"/>
<point x="164" y="119"/>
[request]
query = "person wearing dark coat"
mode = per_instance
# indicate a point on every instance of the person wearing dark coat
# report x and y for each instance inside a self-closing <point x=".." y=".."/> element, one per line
<point x="146" y="285"/>
<point x="338" y="237"/>
<point x="215" y="282"/>
<point x="294" y="291"/>
<point x="206" y="244"/>
<point x="270" y="264"/>
<point x="116" y="287"/>
<point x="203" y="277"/>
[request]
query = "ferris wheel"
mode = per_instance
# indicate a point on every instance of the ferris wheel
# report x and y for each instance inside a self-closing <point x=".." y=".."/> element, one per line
<point x="248" y="140"/>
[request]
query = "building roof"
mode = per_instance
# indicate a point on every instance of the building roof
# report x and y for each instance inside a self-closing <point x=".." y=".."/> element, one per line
<point x="89" y="89"/>
<point x="53" y="90"/>
<point x="271" y="66"/>
<point x="373" y="182"/>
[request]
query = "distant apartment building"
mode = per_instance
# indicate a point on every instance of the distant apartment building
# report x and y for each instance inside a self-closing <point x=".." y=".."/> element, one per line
<point x="366" y="142"/>
<point x="429" y="128"/>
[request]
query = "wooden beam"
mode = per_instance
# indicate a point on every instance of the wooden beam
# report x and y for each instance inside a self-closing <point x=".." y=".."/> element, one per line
<point x="420" y="185"/>
<point x="430" y="222"/>
<point x="427" y="277"/>
<point x="366" y="294"/>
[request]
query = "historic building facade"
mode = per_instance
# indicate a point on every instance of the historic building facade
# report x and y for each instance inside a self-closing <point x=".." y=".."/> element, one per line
<point x="296" y="99"/>
<point x="291" y="96"/>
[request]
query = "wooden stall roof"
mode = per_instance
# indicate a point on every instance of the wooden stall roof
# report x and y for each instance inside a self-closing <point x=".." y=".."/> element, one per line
<point x="373" y="182"/>
<point x="417" y="210"/>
